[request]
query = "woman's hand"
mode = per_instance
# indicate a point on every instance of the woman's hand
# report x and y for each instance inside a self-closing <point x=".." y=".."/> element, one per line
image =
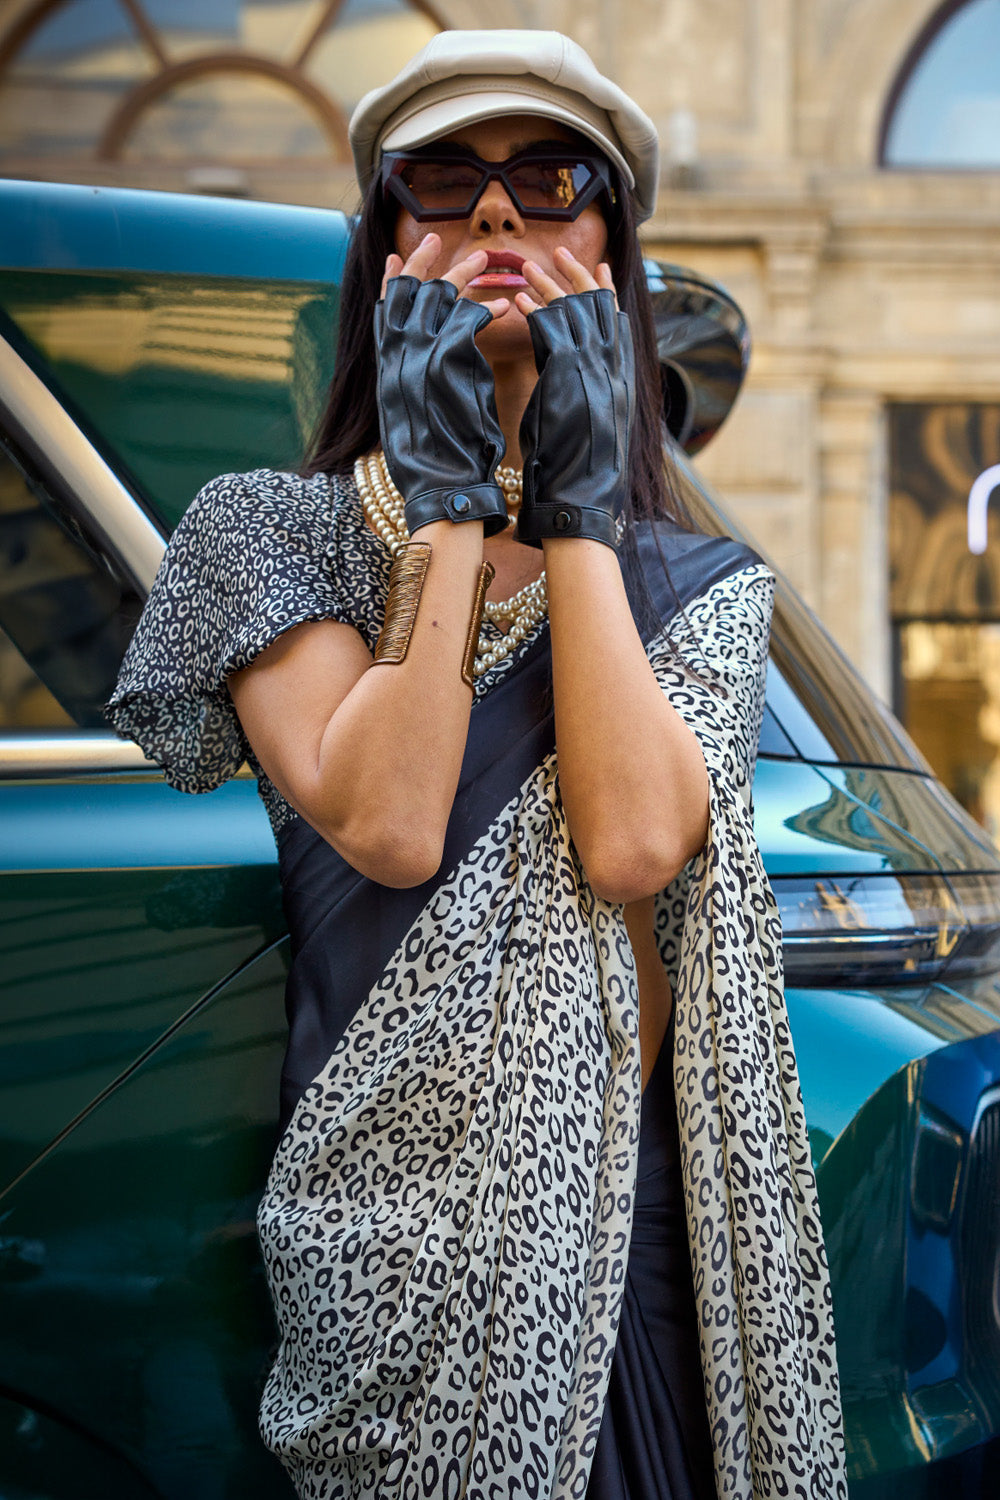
<point x="437" y="410"/>
<point x="421" y="262"/>
<point x="575" y="431"/>
<point x="547" y="290"/>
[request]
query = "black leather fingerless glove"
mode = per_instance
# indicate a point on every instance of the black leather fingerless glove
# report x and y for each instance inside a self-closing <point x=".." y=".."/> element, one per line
<point x="437" y="410"/>
<point x="575" y="429"/>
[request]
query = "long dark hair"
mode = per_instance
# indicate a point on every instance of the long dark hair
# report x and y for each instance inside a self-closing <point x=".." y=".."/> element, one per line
<point x="348" y="427"/>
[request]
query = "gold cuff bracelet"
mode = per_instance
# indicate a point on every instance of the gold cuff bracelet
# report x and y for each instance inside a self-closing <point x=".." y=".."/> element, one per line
<point x="486" y="575"/>
<point x="406" y="584"/>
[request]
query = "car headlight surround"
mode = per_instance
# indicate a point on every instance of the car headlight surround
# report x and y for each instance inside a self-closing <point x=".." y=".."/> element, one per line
<point x="888" y="928"/>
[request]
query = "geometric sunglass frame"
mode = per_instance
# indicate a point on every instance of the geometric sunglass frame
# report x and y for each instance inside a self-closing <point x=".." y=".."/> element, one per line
<point x="601" y="180"/>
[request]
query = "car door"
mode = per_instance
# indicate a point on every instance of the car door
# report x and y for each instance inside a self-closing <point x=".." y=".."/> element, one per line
<point x="141" y="973"/>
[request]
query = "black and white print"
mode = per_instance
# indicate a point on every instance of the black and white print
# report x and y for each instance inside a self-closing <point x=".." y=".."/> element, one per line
<point x="446" y="1223"/>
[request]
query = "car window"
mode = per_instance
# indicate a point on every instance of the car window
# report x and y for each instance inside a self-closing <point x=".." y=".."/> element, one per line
<point x="821" y="702"/>
<point x="25" y="701"/>
<point x="178" y="378"/>
<point x="818" y="707"/>
<point x="66" y="615"/>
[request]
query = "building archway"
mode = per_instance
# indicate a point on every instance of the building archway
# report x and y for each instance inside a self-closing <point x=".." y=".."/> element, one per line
<point x="845" y="88"/>
<point x="170" y="92"/>
<point x="943" y="110"/>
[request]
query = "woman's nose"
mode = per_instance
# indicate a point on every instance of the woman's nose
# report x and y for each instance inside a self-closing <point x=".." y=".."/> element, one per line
<point x="495" y="211"/>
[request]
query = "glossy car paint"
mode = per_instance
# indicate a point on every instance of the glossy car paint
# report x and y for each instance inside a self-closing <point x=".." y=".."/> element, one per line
<point x="143" y="960"/>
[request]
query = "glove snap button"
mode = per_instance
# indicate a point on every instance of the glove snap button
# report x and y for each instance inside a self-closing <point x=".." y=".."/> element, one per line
<point x="562" y="520"/>
<point x="461" y="504"/>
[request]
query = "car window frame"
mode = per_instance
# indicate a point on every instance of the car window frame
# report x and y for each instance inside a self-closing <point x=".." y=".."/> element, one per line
<point x="42" y="428"/>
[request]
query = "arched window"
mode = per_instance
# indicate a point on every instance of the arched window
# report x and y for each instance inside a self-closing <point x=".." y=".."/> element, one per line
<point x="944" y="108"/>
<point x="194" y="83"/>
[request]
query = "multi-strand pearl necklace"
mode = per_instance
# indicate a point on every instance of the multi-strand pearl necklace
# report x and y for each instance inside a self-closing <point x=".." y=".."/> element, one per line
<point x="384" y="511"/>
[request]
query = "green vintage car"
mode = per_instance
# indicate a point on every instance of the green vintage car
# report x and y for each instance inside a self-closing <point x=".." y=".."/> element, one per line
<point x="147" y="343"/>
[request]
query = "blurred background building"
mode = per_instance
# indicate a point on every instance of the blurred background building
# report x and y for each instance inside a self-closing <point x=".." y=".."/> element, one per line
<point x="835" y="163"/>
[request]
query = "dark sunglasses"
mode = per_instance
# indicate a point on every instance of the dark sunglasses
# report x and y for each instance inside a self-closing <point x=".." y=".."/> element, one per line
<point x="542" y="183"/>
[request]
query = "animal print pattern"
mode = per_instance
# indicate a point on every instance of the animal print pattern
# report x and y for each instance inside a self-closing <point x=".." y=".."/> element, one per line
<point x="447" y="1214"/>
<point x="760" y="1270"/>
<point x="254" y="555"/>
<point x="447" y="1219"/>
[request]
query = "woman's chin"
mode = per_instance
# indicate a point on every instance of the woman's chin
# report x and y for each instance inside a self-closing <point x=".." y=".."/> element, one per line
<point x="507" y="337"/>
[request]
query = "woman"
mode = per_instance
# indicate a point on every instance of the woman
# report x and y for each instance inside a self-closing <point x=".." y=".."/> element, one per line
<point x="514" y="908"/>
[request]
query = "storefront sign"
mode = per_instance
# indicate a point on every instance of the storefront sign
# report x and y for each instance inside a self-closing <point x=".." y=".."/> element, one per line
<point x="979" y="505"/>
<point x="944" y="466"/>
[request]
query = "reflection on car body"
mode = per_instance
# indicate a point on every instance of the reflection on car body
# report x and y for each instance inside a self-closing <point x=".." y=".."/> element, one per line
<point x="147" y="343"/>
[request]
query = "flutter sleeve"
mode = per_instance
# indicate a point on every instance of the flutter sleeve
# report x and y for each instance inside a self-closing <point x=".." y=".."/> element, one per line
<point x="760" y="1271"/>
<point x="250" y="559"/>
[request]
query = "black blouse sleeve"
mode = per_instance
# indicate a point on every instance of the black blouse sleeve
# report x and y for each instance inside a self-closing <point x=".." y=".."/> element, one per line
<point x="251" y="558"/>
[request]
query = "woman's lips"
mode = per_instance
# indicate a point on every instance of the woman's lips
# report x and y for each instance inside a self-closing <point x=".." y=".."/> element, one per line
<point x="498" y="278"/>
<point x="503" y="268"/>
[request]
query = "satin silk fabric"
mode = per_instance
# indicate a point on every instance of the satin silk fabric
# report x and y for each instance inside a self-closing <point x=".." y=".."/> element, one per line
<point x="448" y="1220"/>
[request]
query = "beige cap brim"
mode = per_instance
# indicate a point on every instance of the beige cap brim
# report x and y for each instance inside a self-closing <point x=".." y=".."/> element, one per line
<point x="470" y="103"/>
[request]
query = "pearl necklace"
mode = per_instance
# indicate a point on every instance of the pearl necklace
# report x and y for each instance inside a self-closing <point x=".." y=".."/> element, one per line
<point x="384" y="511"/>
<point x="511" y="481"/>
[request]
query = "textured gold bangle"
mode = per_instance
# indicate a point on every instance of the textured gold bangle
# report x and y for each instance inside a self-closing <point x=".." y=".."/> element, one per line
<point x="486" y="575"/>
<point x="406" y="584"/>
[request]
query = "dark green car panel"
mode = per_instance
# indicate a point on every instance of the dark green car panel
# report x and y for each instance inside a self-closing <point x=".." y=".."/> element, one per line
<point x="178" y="376"/>
<point x="143" y="958"/>
<point x="100" y="964"/>
<point x="135" y="1310"/>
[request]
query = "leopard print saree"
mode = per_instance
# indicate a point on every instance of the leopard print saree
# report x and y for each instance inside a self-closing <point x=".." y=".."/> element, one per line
<point x="448" y="1214"/>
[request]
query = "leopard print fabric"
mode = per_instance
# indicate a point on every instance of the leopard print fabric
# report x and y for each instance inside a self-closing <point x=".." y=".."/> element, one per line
<point x="447" y="1218"/>
<point x="760" y="1269"/>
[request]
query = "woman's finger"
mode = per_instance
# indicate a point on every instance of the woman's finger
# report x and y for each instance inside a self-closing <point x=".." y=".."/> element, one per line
<point x="605" y="280"/>
<point x="545" y="289"/>
<point x="467" y="270"/>
<point x="393" y="266"/>
<point x="419" y="263"/>
<point x="497" y="307"/>
<point x="579" y="278"/>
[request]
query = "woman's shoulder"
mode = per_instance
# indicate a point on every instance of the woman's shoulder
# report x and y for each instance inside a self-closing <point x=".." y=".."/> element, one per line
<point x="250" y="559"/>
<point x="681" y="564"/>
<point x="246" y="532"/>
<point x="266" y="498"/>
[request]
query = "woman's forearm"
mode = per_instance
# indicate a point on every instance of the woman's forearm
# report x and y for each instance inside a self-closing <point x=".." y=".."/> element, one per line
<point x="631" y="773"/>
<point x="370" y="754"/>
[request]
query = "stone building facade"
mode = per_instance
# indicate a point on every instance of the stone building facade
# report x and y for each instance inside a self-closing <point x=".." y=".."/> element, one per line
<point x="870" y="289"/>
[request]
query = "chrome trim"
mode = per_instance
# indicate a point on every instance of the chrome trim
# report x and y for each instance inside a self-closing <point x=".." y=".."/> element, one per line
<point x="78" y="752"/>
<point x="987" y="1099"/>
<point x="903" y="937"/>
<point x="53" y="437"/>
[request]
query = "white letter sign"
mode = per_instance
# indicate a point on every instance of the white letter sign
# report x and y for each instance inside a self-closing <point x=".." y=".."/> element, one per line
<point x="979" y="502"/>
